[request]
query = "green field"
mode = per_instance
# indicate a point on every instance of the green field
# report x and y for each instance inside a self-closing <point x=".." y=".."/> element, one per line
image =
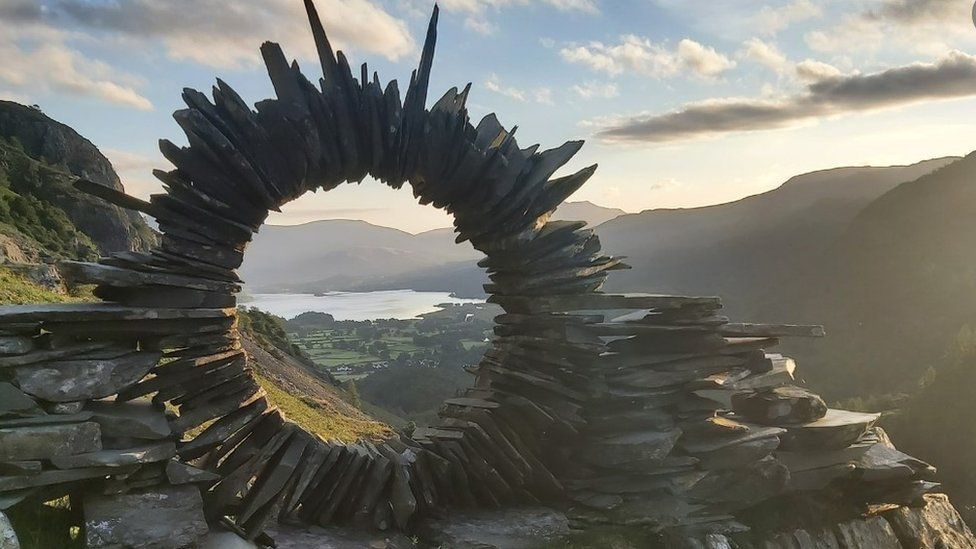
<point x="354" y="350"/>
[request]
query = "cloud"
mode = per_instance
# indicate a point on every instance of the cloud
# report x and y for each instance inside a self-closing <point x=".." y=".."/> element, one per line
<point x="225" y="34"/>
<point x="702" y="59"/>
<point x="479" y="25"/>
<point x="810" y="70"/>
<point x="135" y="171"/>
<point x="20" y="11"/>
<point x="768" y="55"/>
<point x="951" y="76"/>
<point x="639" y="55"/>
<point x="771" y="20"/>
<point x="593" y="89"/>
<point x="480" y="6"/>
<point x="585" y="6"/>
<point x="764" y="53"/>
<point x="914" y="12"/>
<point x="38" y="59"/>
<point x="7" y="95"/>
<point x="932" y="27"/>
<point x="477" y="16"/>
<point x="540" y="95"/>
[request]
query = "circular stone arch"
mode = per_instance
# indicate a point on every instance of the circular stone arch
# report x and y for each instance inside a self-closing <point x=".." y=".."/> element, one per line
<point x="500" y="443"/>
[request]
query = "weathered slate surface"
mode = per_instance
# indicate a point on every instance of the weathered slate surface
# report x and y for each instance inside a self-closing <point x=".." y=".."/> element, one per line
<point x="90" y="312"/>
<point x="164" y="518"/>
<point x="72" y="380"/>
<point x="150" y="453"/>
<point x="47" y="441"/>
<point x="130" y="419"/>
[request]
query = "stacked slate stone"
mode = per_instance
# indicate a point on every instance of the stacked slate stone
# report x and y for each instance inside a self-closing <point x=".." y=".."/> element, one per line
<point x="170" y="305"/>
<point x="633" y="418"/>
<point x="697" y="425"/>
<point x="63" y="431"/>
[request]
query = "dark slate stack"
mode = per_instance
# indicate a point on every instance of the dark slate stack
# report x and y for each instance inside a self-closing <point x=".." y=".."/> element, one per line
<point x="697" y="424"/>
<point x="636" y="409"/>
<point x="64" y="426"/>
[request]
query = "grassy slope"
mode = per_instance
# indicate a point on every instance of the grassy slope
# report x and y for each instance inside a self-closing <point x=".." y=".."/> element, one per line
<point x="16" y="289"/>
<point x="308" y="400"/>
<point x="25" y="212"/>
<point x="307" y="397"/>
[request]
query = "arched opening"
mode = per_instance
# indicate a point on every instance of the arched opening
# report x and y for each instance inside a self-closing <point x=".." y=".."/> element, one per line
<point x="241" y="164"/>
<point x="643" y="410"/>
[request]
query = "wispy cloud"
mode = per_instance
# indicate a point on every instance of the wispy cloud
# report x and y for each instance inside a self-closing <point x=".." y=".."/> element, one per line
<point x="927" y="26"/>
<point x="135" y="171"/>
<point x="540" y="95"/>
<point x="770" y="20"/>
<point x="764" y="53"/>
<point x="227" y="34"/>
<point x="642" y="56"/>
<point x="594" y="89"/>
<point x="38" y="59"/>
<point x="831" y="94"/>
<point x="478" y="16"/>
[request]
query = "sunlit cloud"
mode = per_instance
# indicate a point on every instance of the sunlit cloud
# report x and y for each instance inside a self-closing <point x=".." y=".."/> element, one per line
<point x="542" y="95"/>
<point x="227" y="34"/>
<point x="639" y="55"/>
<point x="830" y="94"/>
<point x="38" y="59"/>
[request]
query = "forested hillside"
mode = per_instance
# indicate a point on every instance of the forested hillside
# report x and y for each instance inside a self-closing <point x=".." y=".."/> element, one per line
<point x="39" y="160"/>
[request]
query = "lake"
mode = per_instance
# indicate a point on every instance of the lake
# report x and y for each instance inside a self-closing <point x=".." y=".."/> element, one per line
<point x="401" y="304"/>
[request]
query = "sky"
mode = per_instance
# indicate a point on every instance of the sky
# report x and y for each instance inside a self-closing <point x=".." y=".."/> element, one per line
<point x="682" y="103"/>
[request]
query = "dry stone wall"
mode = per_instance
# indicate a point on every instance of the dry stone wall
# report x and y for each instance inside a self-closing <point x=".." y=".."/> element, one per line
<point x="628" y="409"/>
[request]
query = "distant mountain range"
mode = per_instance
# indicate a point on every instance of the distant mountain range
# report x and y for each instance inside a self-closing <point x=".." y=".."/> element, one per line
<point x="876" y="255"/>
<point x="347" y="255"/>
<point x="884" y="257"/>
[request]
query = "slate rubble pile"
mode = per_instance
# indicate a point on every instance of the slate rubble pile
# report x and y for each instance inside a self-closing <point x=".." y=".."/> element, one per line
<point x="650" y="410"/>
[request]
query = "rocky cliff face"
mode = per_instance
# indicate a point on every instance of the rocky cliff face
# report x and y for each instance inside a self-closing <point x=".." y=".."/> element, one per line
<point x="46" y="140"/>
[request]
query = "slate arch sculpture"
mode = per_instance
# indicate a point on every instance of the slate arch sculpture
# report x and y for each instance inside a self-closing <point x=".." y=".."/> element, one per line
<point x="616" y="406"/>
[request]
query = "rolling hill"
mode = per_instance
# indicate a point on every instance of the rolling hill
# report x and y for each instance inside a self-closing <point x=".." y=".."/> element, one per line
<point x="879" y="255"/>
<point x="724" y="249"/>
<point x="349" y="255"/>
<point x="893" y="290"/>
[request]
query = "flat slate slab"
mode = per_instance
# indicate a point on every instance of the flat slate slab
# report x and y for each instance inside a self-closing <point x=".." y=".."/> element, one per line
<point x="90" y="312"/>
<point x="596" y="301"/>
<point x="47" y="441"/>
<point x="16" y="345"/>
<point x="136" y="419"/>
<point x="837" y="429"/>
<point x="167" y="517"/>
<point x="150" y="453"/>
<point x="15" y="402"/>
<point x="71" y="380"/>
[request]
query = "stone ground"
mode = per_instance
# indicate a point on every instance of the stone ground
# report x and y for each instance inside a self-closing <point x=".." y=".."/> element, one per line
<point x="516" y="528"/>
<point x="935" y="525"/>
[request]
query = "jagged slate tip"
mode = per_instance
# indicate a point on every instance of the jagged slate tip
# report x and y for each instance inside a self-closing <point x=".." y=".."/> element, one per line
<point x="426" y="59"/>
<point x="322" y="45"/>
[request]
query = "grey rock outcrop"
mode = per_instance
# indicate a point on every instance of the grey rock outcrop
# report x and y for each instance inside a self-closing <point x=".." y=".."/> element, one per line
<point x="112" y="228"/>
